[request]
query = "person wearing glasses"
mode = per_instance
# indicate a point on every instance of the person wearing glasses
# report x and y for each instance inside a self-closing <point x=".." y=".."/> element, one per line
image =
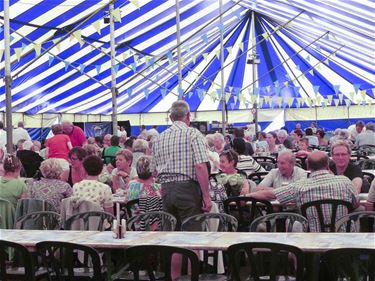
<point x="76" y="172"/>
<point x="341" y="165"/>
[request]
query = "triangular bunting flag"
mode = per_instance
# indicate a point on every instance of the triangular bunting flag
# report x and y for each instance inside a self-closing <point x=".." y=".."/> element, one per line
<point x="280" y="101"/>
<point x="98" y="67"/>
<point x="163" y="92"/>
<point x="261" y="102"/>
<point x="205" y="56"/>
<point x="300" y="102"/>
<point x="363" y="92"/>
<point x="318" y="67"/>
<point x="348" y="102"/>
<point x="229" y="49"/>
<point x="37" y="48"/>
<point x="18" y="52"/>
<point x="135" y="3"/>
<point x="336" y="88"/>
<point x="217" y="53"/>
<point x="232" y="104"/>
<point x="340" y="97"/>
<point x="286" y="84"/>
<point x="66" y="65"/>
<point x="96" y="25"/>
<point x="116" y="67"/>
<point x="117" y="14"/>
<point x="336" y="102"/>
<point x="129" y="91"/>
<point x="311" y="71"/>
<point x="82" y="67"/>
<point x="205" y="38"/>
<point x="57" y="45"/>
<point x="329" y="98"/>
<point x="265" y="36"/>
<point x="241" y="46"/>
<point x="235" y="99"/>
<point x="146" y="92"/>
<point x="268" y="88"/>
<point x="290" y="101"/>
<point x="23" y="46"/>
<point x="194" y="58"/>
<point x="180" y="92"/>
<point x="318" y="100"/>
<point x="326" y="62"/>
<point x="316" y="89"/>
<point x="50" y="60"/>
<point x="133" y="67"/>
<point x="356" y="87"/>
<point x="227" y="97"/>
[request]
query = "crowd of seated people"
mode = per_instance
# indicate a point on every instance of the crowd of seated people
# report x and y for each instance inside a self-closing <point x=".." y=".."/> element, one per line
<point x="95" y="168"/>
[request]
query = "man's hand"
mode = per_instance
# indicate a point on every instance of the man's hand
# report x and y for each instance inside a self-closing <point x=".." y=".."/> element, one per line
<point x="207" y="205"/>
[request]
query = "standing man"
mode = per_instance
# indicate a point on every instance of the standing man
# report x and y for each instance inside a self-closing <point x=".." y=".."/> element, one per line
<point x="20" y="133"/>
<point x="180" y="158"/>
<point x="75" y="133"/>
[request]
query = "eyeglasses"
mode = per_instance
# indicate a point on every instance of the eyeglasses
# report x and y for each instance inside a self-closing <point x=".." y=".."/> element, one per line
<point x="340" y="154"/>
<point x="74" y="158"/>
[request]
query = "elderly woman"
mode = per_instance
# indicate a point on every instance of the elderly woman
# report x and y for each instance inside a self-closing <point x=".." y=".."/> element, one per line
<point x="50" y="188"/>
<point x="76" y="171"/>
<point x="144" y="185"/>
<point x="140" y="148"/>
<point x="11" y="187"/>
<point x="91" y="189"/>
<point x="123" y="172"/>
<point x="235" y="184"/>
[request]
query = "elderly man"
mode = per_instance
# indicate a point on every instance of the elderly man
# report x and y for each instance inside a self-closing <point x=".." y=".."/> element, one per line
<point x="20" y="133"/>
<point x="75" y="133"/>
<point x="320" y="185"/>
<point x="341" y="165"/>
<point x="180" y="158"/>
<point x="286" y="172"/>
<point x="367" y="137"/>
<point x="282" y="136"/>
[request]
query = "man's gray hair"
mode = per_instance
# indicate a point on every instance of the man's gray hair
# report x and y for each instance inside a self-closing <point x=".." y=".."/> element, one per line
<point x="370" y="126"/>
<point x="282" y="133"/>
<point x="290" y="155"/>
<point x="179" y="110"/>
<point x="341" y="143"/>
<point x="140" y="145"/>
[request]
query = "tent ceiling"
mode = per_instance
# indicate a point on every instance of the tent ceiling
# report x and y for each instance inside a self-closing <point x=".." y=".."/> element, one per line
<point x="311" y="52"/>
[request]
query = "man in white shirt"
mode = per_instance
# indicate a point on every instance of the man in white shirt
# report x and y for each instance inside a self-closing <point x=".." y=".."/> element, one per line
<point x="20" y="133"/>
<point x="286" y="172"/>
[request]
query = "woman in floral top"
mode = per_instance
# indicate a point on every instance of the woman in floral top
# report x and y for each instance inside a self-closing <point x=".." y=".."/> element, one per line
<point x="50" y="187"/>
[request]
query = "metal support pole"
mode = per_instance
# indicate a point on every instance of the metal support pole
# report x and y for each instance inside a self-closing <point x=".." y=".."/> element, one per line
<point x="254" y="63"/>
<point x="8" y="79"/>
<point x="178" y="34"/>
<point x="223" y="103"/>
<point x="113" y="72"/>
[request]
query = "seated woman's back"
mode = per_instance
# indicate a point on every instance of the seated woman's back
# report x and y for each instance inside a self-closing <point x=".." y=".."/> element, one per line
<point x="11" y="187"/>
<point x="50" y="187"/>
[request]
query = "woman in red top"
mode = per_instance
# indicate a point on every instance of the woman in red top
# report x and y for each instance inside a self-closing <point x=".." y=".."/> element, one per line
<point x="59" y="146"/>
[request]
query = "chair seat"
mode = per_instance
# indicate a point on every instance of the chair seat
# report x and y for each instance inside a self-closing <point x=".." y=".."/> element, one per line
<point x="15" y="272"/>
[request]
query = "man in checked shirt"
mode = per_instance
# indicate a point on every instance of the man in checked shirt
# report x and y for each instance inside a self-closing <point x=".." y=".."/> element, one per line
<point x="180" y="159"/>
<point x="320" y="185"/>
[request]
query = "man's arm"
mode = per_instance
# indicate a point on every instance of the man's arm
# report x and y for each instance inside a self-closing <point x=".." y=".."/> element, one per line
<point x="264" y="194"/>
<point x="357" y="182"/>
<point x="202" y="175"/>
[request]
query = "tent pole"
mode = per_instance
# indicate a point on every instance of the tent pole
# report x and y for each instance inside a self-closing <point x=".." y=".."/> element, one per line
<point x="254" y="60"/>
<point x="178" y="48"/>
<point x="223" y="103"/>
<point x="8" y="79"/>
<point x="113" y="72"/>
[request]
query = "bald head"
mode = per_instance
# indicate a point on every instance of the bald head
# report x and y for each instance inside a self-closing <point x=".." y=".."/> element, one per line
<point x="317" y="160"/>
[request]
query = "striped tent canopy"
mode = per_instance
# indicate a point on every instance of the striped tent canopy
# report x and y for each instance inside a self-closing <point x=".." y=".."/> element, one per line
<point x="311" y="53"/>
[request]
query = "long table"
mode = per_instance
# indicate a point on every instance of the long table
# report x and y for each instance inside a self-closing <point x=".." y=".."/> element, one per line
<point x="309" y="242"/>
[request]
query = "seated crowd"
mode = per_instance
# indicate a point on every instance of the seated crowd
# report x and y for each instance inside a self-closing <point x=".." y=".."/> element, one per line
<point x="95" y="169"/>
